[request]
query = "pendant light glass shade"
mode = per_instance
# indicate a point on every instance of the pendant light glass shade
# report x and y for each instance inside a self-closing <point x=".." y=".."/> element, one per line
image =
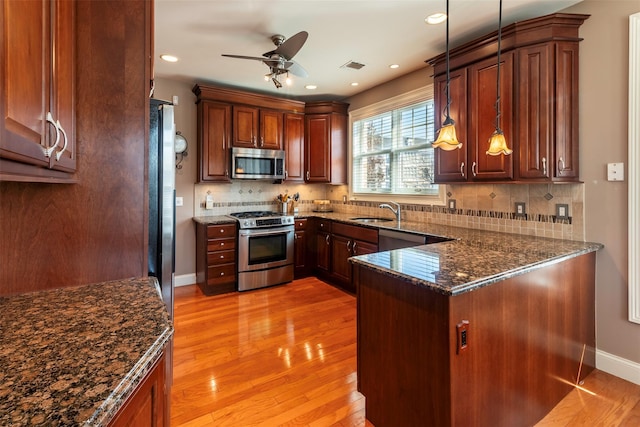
<point x="497" y="141"/>
<point x="447" y="139"/>
<point x="498" y="144"/>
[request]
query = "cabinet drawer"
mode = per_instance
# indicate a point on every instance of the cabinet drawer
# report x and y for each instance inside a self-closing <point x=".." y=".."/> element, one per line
<point x="223" y="273"/>
<point x="300" y="224"/>
<point x="324" y="225"/>
<point x="221" y="244"/>
<point x="218" y="231"/>
<point x="355" y="232"/>
<point x="221" y="257"/>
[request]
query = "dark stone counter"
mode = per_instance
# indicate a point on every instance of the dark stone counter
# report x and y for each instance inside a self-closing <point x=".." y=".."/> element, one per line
<point x="72" y="356"/>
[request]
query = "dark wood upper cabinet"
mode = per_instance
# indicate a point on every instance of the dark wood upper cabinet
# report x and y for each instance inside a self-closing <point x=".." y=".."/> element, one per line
<point x="37" y="129"/>
<point x="326" y="142"/>
<point x="539" y="103"/>
<point x="214" y="134"/>
<point x="294" y="146"/>
<point x="257" y="128"/>
<point x="482" y="118"/>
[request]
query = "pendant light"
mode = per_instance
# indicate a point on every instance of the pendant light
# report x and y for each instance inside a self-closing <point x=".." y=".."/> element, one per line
<point x="447" y="139"/>
<point x="497" y="141"/>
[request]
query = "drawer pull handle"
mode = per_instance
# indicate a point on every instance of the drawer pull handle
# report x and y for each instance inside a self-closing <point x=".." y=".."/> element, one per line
<point x="355" y="247"/>
<point x="544" y="166"/>
<point x="473" y="169"/>
<point x="64" y="147"/>
<point x="49" y="151"/>
<point x="462" y="169"/>
<point x="349" y="245"/>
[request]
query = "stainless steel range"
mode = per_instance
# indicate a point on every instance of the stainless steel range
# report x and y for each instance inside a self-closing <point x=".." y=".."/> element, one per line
<point x="265" y="249"/>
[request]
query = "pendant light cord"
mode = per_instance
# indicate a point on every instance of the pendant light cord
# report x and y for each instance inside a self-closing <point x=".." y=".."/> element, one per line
<point x="448" y="118"/>
<point x="498" y="72"/>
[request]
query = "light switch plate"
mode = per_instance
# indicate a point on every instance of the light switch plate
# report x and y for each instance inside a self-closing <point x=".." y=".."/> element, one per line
<point x="615" y="172"/>
<point x="179" y="201"/>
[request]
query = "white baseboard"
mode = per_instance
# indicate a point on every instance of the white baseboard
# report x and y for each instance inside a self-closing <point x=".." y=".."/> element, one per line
<point x="614" y="365"/>
<point x="184" y="280"/>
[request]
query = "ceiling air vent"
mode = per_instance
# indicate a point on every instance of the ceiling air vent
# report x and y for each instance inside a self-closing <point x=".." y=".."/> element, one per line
<point x="353" y="65"/>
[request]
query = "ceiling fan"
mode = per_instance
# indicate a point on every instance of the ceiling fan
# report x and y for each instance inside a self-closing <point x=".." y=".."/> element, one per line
<point x="279" y="60"/>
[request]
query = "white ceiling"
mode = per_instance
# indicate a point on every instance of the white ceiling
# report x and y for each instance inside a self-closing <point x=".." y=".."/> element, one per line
<point x="376" y="33"/>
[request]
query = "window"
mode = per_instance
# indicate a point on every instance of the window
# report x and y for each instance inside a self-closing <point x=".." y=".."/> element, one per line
<point x="391" y="152"/>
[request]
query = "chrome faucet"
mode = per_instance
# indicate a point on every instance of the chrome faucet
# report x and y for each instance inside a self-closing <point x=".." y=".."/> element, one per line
<point x="395" y="211"/>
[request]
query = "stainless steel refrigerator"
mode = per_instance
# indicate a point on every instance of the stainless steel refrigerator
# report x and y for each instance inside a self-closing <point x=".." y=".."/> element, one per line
<point x="162" y="195"/>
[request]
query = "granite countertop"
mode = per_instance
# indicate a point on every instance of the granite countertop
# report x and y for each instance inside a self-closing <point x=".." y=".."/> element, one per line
<point x="474" y="258"/>
<point x="72" y="356"/>
<point x="214" y="219"/>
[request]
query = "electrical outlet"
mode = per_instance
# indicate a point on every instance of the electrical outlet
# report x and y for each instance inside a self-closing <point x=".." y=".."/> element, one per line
<point x="521" y="209"/>
<point x="452" y="204"/>
<point x="179" y="201"/>
<point x="462" y="332"/>
<point x="208" y="202"/>
<point x="562" y="211"/>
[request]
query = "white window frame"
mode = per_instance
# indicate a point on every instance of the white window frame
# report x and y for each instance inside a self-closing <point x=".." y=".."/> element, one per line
<point x="634" y="164"/>
<point x="409" y="98"/>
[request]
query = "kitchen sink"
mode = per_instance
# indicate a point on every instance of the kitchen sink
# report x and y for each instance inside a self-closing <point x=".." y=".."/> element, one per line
<point x="371" y="219"/>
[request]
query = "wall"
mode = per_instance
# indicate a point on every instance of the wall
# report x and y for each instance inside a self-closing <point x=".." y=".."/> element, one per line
<point x="603" y="139"/>
<point x="54" y="235"/>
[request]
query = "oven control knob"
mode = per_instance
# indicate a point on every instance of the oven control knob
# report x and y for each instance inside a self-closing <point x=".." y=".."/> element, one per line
<point x="246" y="223"/>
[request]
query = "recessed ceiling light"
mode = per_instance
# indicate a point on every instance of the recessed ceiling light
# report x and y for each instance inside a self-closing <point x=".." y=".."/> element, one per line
<point x="169" y="58"/>
<point x="311" y="87"/>
<point x="394" y="66"/>
<point x="354" y="84"/>
<point x="436" y="18"/>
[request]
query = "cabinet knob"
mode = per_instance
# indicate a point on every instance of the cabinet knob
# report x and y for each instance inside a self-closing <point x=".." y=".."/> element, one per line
<point x="221" y="256"/>
<point x="222" y="230"/>
<point x="222" y="273"/>
<point x="222" y="244"/>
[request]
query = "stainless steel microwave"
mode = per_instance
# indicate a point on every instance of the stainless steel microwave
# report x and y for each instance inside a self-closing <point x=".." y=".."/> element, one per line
<point x="256" y="163"/>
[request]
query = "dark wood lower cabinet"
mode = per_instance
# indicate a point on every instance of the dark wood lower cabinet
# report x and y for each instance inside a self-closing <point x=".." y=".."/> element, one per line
<point x="525" y="340"/>
<point x="147" y="406"/>
<point x="300" y="249"/>
<point x="216" y="258"/>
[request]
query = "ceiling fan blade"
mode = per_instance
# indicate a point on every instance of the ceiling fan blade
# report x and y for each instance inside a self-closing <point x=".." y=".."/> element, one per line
<point x="292" y="45"/>
<point x="255" y="58"/>
<point x="296" y="69"/>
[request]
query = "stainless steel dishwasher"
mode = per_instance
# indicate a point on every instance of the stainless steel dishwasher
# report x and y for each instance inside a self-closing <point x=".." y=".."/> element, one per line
<point x="392" y="239"/>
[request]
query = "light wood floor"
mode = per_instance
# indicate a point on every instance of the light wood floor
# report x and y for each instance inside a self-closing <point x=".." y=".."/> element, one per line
<point x="287" y="356"/>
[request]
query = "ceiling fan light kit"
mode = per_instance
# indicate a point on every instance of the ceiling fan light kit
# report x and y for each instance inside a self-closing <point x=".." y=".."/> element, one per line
<point x="280" y="60"/>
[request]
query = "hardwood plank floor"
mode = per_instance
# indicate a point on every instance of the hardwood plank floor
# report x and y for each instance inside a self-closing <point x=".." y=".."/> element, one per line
<point x="286" y="355"/>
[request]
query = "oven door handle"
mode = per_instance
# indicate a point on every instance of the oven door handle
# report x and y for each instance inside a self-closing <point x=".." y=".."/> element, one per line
<point x="254" y="233"/>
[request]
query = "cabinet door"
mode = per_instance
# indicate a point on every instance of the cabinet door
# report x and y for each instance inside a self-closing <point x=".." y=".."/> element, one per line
<point x="451" y="166"/>
<point x="37" y="74"/>
<point x="362" y="248"/>
<point x="535" y="80"/>
<point x="482" y="119"/>
<point x="323" y="252"/>
<point x="214" y="130"/>
<point x="340" y="252"/>
<point x="271" y="130"/>
<point x="294" y="146"/>
<point x="318" y="148"/>
<point x="300" y="253"/>
<point x="566" y="112"/>
<point x="245" y="127"/>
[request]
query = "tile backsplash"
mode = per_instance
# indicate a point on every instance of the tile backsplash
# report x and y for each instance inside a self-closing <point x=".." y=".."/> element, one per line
<point x="481" y="206"/>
